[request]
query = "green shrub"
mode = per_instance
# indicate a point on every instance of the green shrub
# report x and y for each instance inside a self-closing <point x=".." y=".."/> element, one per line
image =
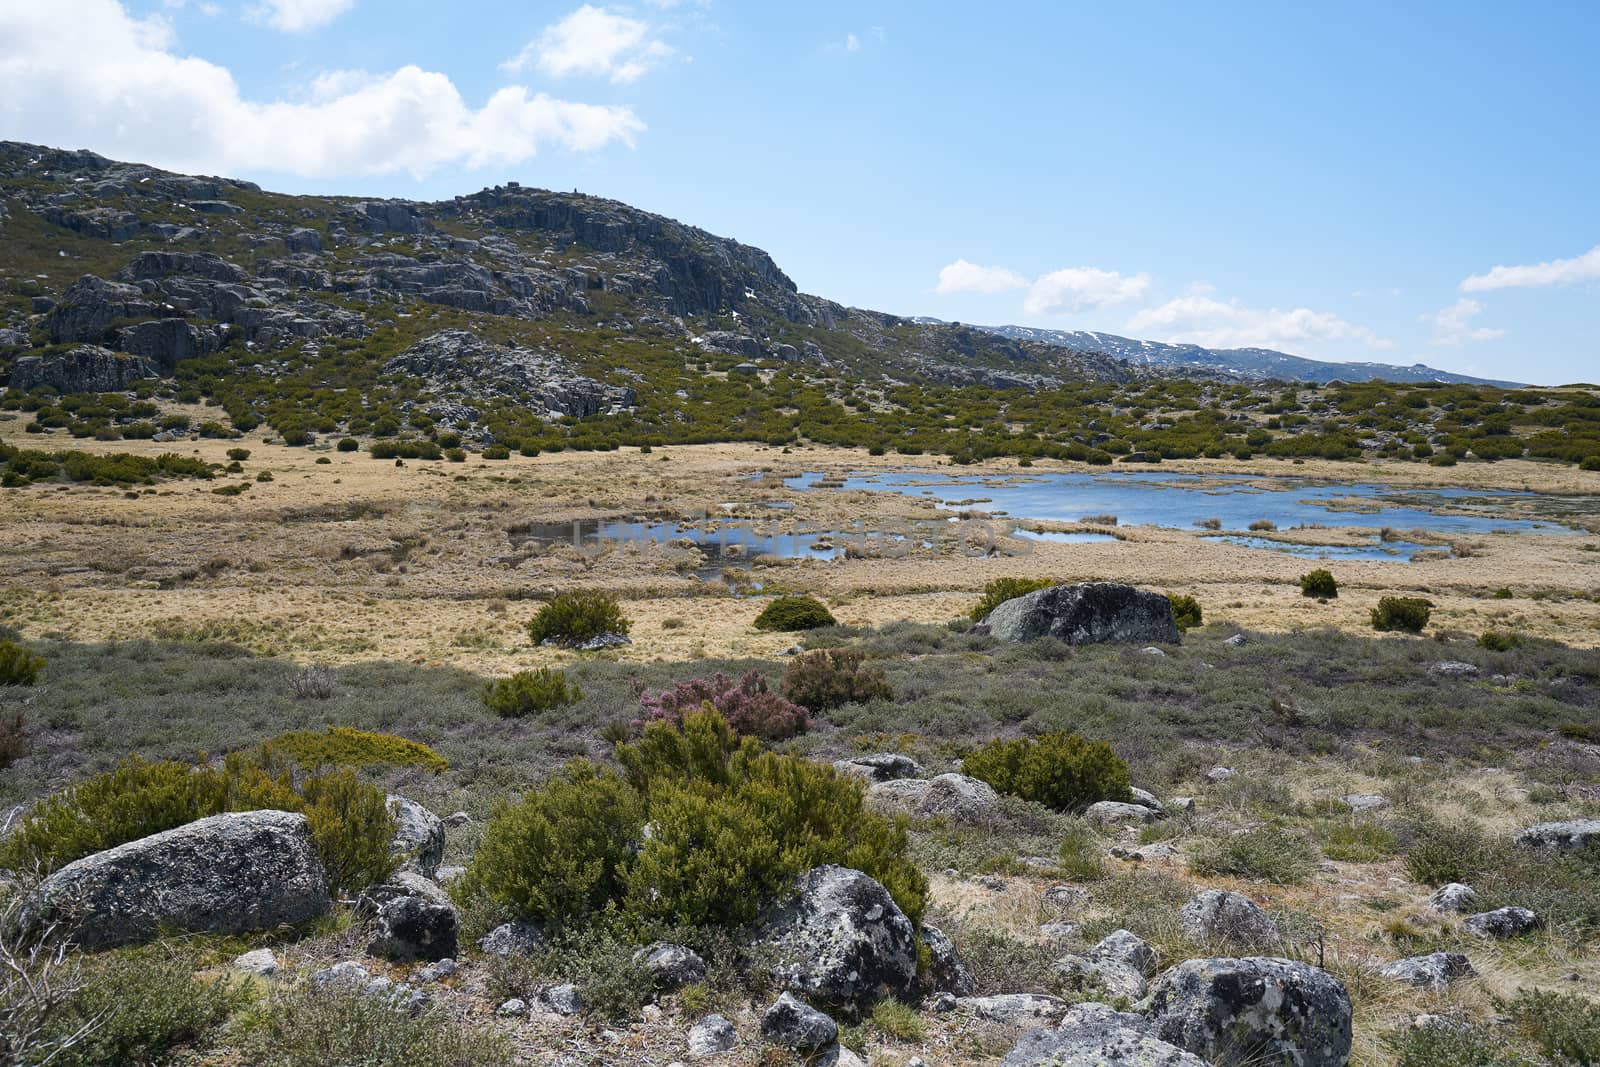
<point x="1185" y="611"/>
<point x="1319" y="583"/>
<point x="1563" y="888"/>
<point x="238" y="455"/>
<point x="14" y="740"/>
<point x="349" y="444"/>
<point x="349" y="820"/>
<point x="311" y="1027"/>
<point x="497" y="452"/>
<point x="1579" y="731"/>
<point x="731" y="827"/>
<point x="1565" y="1027"/>
<point x="897" y="1020"/>
<point x="403" y="448"/>
<point x="1080" y="856"/>
<point x="1449" y="1046"/>
<point x="1401" y="613"/>
<point x="18" y="666"/>
<point x="1059" y="770"/>
<point x="792" y="613"/>
<point x="1001" y="590"/>
<point x="1439" y="852"/>
<point x="529" y="693"/>
<point x="576" y="617"/>
<point x="1589" y="463"/>
<point x="1496" y="641"/>
<point x="1268" y="853"/>
<point x="831" y="678"/>
<point x="344" y="746"/>
<point x="138" y="1006"/>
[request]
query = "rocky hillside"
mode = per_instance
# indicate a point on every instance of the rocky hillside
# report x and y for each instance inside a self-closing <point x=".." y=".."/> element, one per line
<point x="111" y="273"/>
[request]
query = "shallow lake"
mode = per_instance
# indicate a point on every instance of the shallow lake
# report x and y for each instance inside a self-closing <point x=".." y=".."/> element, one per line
<point x="1179" y="501"/>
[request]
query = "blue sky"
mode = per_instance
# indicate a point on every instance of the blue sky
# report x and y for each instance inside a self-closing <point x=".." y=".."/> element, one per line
<point x="1340" y="181"/>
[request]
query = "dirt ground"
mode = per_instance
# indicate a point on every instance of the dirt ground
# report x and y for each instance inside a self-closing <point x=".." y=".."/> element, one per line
<point x="342" y="557"/>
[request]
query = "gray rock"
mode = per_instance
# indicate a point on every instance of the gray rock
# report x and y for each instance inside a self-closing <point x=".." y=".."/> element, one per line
<point x="400" y="884"/>
<point x="84" y="369"/>
<point x="164" y="343"/>
<point x="226" y="874"/>
<point x="1112" y="811"/>
<point x="513" y="939"/>
<point x="461" y="366"/>
<point x="1146" y="799"/>
<point x="712" y="1035"/>
<point x="1119" y="964"/>
<point x="1156" y="850"/>
<point x="1127" y="948"/>
<point x="414" y="928"/>
<point x="837" y="1055"/>
<point x="1569" y="836"/>
<point x="670" y="966"/>
<point x="1359" y="802"/>
<point x="1152" y="650"/>
<point x="303" y="240"/>
<point x="1453" y="670"/>
<point x="437" y="971"/>
<point x="1183" y="804"/>
<point x="1065" y="897"/>
<point x="345" y="974"/>
<point x="1220" y="774"/>
<point x="1220" y="915"/>
<point x="1260" y="1010"/>
<point x="879" y="767"/>
<point x="1503" y="923"/>
<point x="561" y="1000"/>
<point x="516" y="1007"/>
<point x="1085" y="613"/>
<point x="1237" y="641"/>
<point x="1093" y="1035"/>
<point x="1016" y="1008"/>
<point x="945" y="973"/>
<point x="418" y="836"/>
<point x="956" y="797"/>
<point x="447" y="875"/>
<point x="1454" y="896"/>
<point x="731" y="343"/>
<point x="456" y="819"/>
<point x="1433" y="971"/>
<point x="839" y="938"/>
<point x="1059" y="930"/>
<point x="795" y="1024"/>
<point x="261" y="961"/>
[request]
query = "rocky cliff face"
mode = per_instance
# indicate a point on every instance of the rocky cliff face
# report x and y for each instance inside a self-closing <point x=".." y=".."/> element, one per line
<point x="462" y="368"/>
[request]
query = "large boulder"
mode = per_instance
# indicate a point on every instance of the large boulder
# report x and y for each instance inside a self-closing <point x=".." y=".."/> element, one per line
<point x="418" y="836"/>
<point x="945" y="972"/>
<point x="227" y="874"/>
<point x="795" y="1024"/>
<point x="839" y="938"/>
<point x="414" y="927"/>
<point x="1221" y="915"/>
<point x="879" y="766"/>
<point x="1503" y="923"/>
<point x="1119" y="964"/>
<point x="1259" y="1010"/>
<point x="1568" y="836"/>
<point x="1086" y="613"/>
<point x="956" y="797"/>
<point x="1094" y="1035"/>
<point x="84" y="369"/>
<point x="1452" y="896"/>
<point x="670" y="966"/>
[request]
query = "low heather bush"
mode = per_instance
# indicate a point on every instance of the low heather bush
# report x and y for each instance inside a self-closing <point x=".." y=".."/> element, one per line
<point x="832" y="678"/>
<point x="1185" y="611"/>
<point x="1402" y="613"/>
<point x="576" y="617"/>
<point x="748" y="705"/>
<point x="344" y="746"/>
<point x="1319" y="583"/>
<point x="528" y="693"/>
<point x="18" y="666"/>
<point x="791" y="613"/>
<point x="1059" y="770"/>
<point x="1268" y="853"/>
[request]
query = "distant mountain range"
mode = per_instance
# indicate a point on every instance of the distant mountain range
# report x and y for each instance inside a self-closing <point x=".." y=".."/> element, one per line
<point x="1255" y="363"/>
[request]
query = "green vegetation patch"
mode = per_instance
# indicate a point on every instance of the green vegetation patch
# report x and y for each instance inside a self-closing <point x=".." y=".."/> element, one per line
<point x="572" y="618"/>
<point x="345" y="746"/>
<point x="792" y="613"/>
<point x="1059" y="770"/>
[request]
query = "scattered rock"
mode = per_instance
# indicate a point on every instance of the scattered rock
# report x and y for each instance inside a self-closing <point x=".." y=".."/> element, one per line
<point x="418" y="836"/>
<point x="516" y="1007"/>
<point x="839" y="938"/>
<point x="712" y="1035"/>
<point x="1454" y="896"/>
<point x="879" y="767"/>
<point x="1452" y="669"/>
<point x="456" y="819"/>
<point x="1152" y="650"/>
<point x="1059" y="930"/>
<point x="259" y="961"/>
<point x="945" y="972"/>
<point x="1261" y="1010"/>
<point x="1359" y="802"/>
<point x="1019" y="1008"/>
<point x="1183" y="804"/>
<point x="1085" y="613"/>
<point x="1119" y="965"/>
<point x="1220" y="774"/>
<point x="1112" y="811"/>
<point x="1569" y="836"/>
<point x="670" y="966"/>
<point x="1094" y="1035"/>
<point x="1433" y="971"/>
<point x="795" y="1024"/>
<point x="1156" y="850"/>
<point x="447" y="875"/>
<point x="952" y="796"/>
<point x="1066" y="897"/>
<point x="561" y="1000"/>
<point x="1146" y="799"/>
<point x="226" y="874"/>
<point x="1220" y="915"/>
<point x="414" y="928"/>
<point x="513" y="939"/>
<point x="84" y="369"/>
<point x="1503" y="923"/>
<point x="1237" y="641"/>
<point x="437" y="971"/>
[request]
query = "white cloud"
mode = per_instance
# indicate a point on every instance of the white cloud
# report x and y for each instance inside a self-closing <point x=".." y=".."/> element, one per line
<point x="852" y="43"/>
<point x="139" y="100"/>
<point x="295" y="16"/>
<point x="1452" y="326"/>
<point x="964" y="277"/>
<point x="596" y="42"/>
<point x="1079" y="288"/>
<point x="1203" y="320"/>
<point x="1553" y="272"/>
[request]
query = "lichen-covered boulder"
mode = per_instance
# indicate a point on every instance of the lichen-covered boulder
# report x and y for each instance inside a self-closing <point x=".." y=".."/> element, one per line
<point x="1110" y="812"/>
<point x="879" y="766"/>
<point x="795" y="1024"/>
<point x="957" y="797"/>
<point x="1504" y="923"/>
<point x="1220" y="915"/>
<point x="418" y="836"/>
<point x="1433" y="971"/>
<point x="946" y="973"/>
<point x="1453" y="896"/>
<point x="1569" y="836"/>
<point x="839" y="938"/>
<point x="414" y="927"/>
<point x="1259" y="1010"/>
<point x="1094" y="1035"/>
<point x="1119" y="965"/>
<point x="226" y="874"/>
<point x="670" y="966"/>
<point x="1085" y="613"/>
<point x="1016" y="1007"/>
